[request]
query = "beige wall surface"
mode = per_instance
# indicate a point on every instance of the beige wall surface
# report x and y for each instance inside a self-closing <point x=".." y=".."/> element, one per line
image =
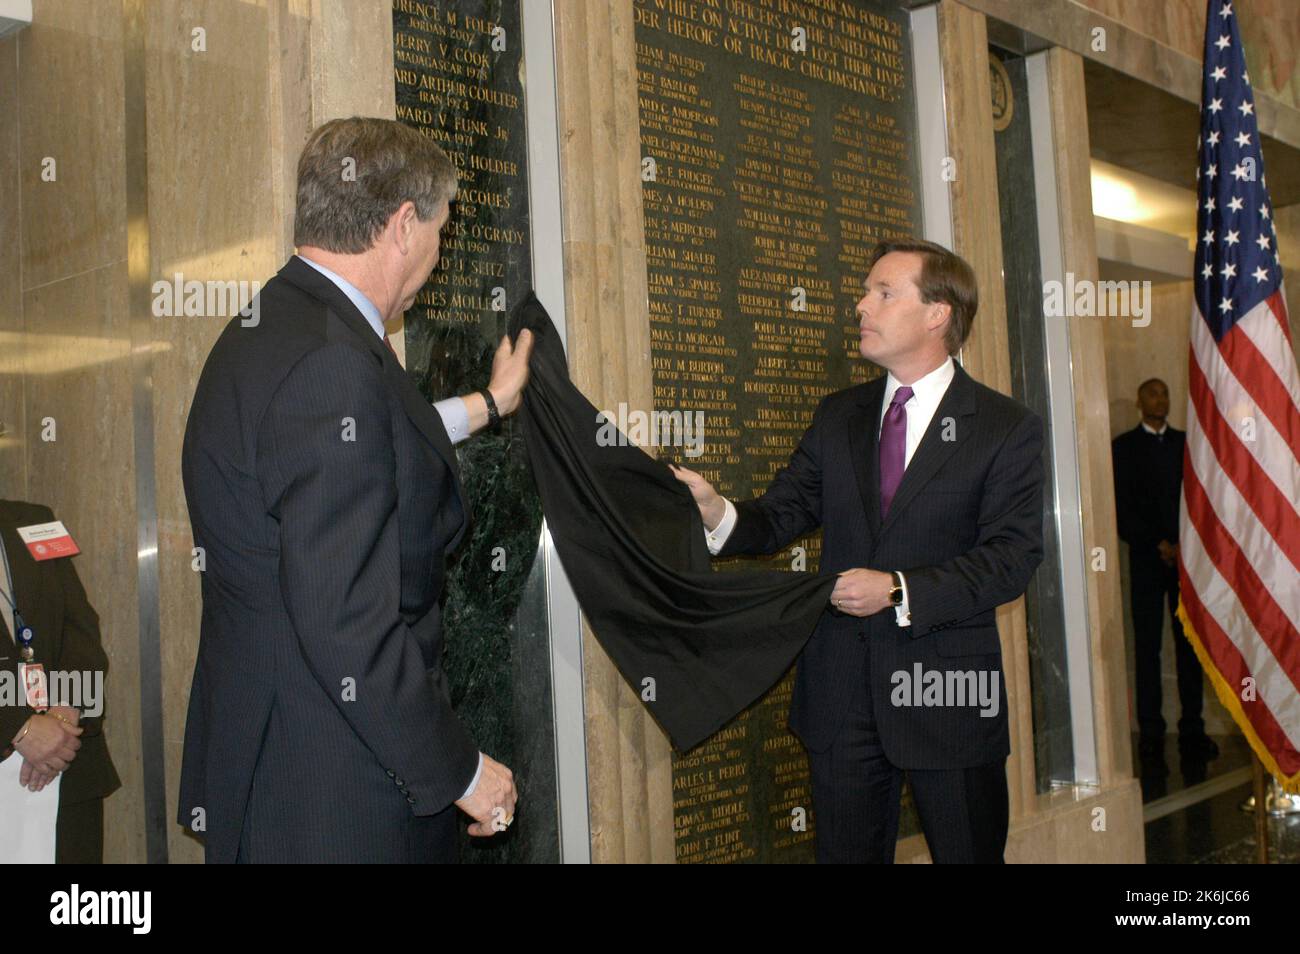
<point x="230" y="92"/>
<point x="66" y="369"/>
<point x="1270" y="31"/>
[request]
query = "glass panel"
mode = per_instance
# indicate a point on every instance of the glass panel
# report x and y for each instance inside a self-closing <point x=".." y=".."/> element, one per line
<point x="471" y="101"/>
<point x="1022" y="277"/>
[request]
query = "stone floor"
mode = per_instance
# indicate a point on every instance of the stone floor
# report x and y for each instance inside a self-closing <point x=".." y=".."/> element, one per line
<point x="1161" y="777"/>
<point x="1212" y="830"/>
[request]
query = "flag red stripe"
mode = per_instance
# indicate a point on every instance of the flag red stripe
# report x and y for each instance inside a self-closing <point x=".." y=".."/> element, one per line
<point x="1277" y="305"/>
<point x="1228" y="661"/>
<point x="1276" y="514"/>
<point x="1260" y="381"/>
<point x="1237" y="567"/>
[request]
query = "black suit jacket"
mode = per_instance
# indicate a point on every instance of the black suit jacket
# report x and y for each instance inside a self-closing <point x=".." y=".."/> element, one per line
<point x="1148" y="487"/>
<point x="965" y="528"/>
<point x="324" y="492"/>
<point x="52" y="600"/>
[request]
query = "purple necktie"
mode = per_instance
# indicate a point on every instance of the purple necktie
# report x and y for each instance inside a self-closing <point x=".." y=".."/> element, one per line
<point x="893" y="448"/>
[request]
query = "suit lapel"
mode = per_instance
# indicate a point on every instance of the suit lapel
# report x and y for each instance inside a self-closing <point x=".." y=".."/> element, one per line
<point x="864" y="449"/>
<point x="934" y="451"/>
<point x="420" y="412"/>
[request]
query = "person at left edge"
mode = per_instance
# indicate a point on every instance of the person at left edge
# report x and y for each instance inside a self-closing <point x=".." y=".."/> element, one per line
<point x="324" y="493"/>
<point x="67" y="639"/>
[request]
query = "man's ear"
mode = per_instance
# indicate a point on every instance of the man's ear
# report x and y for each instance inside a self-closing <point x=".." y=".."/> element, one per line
<point x="401" y="225"/>
<point x="939" y="317"/>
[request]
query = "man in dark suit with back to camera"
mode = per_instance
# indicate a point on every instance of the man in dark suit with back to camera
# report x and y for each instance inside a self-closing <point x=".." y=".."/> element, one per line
<point x="325" y="494"/>
<point x="928" y="487"/>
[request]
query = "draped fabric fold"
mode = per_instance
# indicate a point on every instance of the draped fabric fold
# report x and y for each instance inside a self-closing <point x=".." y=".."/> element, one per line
<point x="697" y="645"/>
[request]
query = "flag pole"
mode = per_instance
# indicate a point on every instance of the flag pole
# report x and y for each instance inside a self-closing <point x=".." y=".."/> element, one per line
<point x="1261" y="809"/>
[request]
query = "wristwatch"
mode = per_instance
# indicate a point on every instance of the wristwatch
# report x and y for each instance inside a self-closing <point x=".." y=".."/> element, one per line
<point x="494" y="416"/>
<point x="896" y="591"/>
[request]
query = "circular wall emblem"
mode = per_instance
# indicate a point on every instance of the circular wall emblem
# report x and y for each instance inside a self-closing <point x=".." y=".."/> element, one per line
<point x="1000" y="84"/>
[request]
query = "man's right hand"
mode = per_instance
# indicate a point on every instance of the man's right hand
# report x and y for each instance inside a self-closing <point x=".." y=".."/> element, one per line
<point x="712" y="505"/>
<point x="492" y="803"/>
<point x="49" y="744"/>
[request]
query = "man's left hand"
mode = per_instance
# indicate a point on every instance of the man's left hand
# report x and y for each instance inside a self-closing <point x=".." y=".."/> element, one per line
<point x="510" y="372"/>
<point x="862" y="592"/>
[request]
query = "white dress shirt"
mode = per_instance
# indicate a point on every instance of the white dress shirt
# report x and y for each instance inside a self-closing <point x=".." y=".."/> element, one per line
<point x="454" y="413"/>
<point x="927" y="392"/>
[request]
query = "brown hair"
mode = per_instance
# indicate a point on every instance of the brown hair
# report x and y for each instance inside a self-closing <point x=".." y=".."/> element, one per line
<point x="355" y="173"/>
<point x="945" y="277"/>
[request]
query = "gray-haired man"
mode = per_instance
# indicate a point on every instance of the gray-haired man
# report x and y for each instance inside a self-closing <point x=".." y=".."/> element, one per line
<point x="324" y="492"/>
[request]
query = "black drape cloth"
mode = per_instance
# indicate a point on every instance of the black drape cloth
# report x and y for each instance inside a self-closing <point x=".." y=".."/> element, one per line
<point x="633" y="546"/>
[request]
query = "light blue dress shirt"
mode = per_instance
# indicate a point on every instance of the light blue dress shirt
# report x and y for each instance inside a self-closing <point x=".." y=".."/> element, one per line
<point x="454" y="413"/>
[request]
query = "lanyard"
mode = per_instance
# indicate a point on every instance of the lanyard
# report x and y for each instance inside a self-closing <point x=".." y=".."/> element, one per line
<point x="22" y="632"/>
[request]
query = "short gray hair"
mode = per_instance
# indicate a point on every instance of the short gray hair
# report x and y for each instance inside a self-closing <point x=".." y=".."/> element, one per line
<point x="355" y="173"/>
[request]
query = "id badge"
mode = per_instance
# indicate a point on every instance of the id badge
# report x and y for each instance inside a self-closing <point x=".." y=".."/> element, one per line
<point x="48" y="541"/>
<point x="37" y="689"/>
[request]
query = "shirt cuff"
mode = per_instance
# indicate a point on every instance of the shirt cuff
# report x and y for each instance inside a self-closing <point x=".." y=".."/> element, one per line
<point x="455" y="418"/>
<point x="718" y="535"/>
<point x="903" y="612"/>
<point x="473" y="784"/>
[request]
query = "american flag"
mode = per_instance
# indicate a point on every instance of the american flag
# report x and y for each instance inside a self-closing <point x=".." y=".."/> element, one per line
<point x="1239" y="564"/>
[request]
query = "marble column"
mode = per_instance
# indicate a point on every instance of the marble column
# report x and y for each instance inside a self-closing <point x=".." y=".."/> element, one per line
<point x="629" y="767"/>
<point x="1092" y="418"/>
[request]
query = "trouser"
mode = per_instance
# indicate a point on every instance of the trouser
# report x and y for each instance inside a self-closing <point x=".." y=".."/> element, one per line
<point x="856" y="791"/>
<point x="1153" y="585"/>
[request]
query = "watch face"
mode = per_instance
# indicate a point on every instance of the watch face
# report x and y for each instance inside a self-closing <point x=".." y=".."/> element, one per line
<point x="896" y="591"/>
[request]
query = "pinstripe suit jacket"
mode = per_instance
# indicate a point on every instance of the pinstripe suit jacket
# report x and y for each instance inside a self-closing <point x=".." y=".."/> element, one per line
<point x="324" y="492"/>
<point x="965" y="527"/>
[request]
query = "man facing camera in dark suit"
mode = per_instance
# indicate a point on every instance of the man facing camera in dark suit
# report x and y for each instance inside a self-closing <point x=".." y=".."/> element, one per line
<point x="928" y="487"/>
<point x="44" y="610"/>
<point x="325" y="496"/>
<point x="1148" y="463"/>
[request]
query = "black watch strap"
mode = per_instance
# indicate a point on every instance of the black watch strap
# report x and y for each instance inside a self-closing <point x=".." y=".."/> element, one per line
<point x="494" y="416"/>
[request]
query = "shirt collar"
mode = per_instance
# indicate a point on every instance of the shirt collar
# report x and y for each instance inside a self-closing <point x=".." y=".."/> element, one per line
<point x="927" y="389"/>
<point x="1151" y="430"/>
<point x="364" y="304"/>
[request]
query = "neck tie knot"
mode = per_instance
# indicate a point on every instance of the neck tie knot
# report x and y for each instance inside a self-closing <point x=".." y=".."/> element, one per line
<point x="901" y="396"/>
